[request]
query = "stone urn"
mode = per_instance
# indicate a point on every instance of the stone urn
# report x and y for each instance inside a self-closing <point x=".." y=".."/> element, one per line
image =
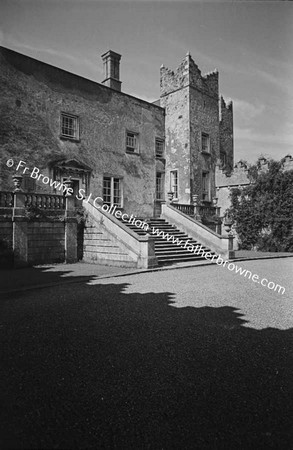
<point x="215" y="201"/>
<point x="195" y="199"/>
<point x="228" y="222"/>
<point x="17" y="180"/>
<point x="170" y="196"/>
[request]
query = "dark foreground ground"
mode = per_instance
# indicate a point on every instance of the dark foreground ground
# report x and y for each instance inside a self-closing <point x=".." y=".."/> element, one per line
<point x="191" y="358"/>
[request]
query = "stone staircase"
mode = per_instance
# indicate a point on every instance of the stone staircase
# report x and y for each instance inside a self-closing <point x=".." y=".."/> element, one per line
<point x="168" y="252"/>
<point x="100" y="247"/>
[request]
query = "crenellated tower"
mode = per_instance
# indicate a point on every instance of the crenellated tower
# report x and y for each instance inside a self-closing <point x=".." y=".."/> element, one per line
<point x="193" y="130"/>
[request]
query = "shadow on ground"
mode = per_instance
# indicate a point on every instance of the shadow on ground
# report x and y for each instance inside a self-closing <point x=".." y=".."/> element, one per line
<point x="94" y="367"/>
<point x="13" y="279"/>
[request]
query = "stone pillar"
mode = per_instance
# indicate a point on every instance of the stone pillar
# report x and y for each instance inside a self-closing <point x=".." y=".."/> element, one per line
<point x="70" y="231"/>
<point x="231" y="252"/>
<point x="152" y="259"/>
<point x="20" y="229"/>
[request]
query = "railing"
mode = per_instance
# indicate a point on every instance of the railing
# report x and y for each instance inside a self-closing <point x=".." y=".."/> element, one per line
<point x="45" y="201"/>
<point x="206" y="211"/>
<point x="6" y="199"/>
<point x="203" y="210"/>
<point x="207" y="214"/>
<point x="184" y="208"/>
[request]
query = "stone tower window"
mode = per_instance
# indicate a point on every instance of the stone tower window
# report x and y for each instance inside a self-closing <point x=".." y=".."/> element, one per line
<point x="159" y="186"/>
<point x="205" y="143"/>
<point x="206" y="186"/>
<point x="223" y="158"/>
<point x="174" y="182"/>
<point x="159" y="148"/>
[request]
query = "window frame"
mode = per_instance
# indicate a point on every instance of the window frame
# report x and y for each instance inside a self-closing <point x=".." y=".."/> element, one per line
<point x="224" y="159"/>
<point x="160" y="141"/>
<point x="113" y="179"/>
<point x="160" y="197"/>
<point x="75" y="118"/>
<point x="206" y="195"/>
<point x="177" y="183"/>
<point x="128" y="148"/>
<point x="203" y="150"/>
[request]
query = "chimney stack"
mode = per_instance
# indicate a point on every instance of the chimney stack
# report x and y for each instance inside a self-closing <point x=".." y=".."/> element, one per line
<point x="112" y="70"/>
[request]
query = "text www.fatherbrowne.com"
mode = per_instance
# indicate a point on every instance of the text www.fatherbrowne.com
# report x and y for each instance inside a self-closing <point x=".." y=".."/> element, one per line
<point x="199" y="250"/>
<point x="112" y="209"/>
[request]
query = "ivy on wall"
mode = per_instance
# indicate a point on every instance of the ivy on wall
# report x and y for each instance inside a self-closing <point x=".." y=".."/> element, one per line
<point x="263" y="211"/>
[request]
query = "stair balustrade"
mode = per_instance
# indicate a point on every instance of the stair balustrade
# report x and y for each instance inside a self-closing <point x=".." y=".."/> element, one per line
<point x="184" y="208"/>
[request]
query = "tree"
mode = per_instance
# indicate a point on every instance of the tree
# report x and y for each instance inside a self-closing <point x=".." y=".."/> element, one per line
<point x="263" y="211"/>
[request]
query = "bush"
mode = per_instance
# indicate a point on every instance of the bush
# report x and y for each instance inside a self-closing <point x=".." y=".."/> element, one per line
<point x="263" y="211"/>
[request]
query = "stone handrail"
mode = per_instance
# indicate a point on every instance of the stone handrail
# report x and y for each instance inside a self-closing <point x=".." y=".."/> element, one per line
<point x="184" y="208"/>
<point x="207" y="210"/>
<point x="219" y="244"/>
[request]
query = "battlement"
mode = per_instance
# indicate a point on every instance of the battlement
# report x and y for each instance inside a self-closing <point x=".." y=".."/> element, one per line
<point x="226" y="109"/>
<point x="287" y="163"/>
<point x="238" y="177"/>
<point x="188" y="74"/>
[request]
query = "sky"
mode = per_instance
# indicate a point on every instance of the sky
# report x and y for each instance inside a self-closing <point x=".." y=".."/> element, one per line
<point x="249" y="42"/>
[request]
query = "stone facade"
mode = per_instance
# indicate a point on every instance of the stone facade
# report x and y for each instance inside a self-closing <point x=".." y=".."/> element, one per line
<point x="193" y="123"/>
<point x="196" y="135"/>
<point x="37" y="234"/>
<point x="33" y="96"/>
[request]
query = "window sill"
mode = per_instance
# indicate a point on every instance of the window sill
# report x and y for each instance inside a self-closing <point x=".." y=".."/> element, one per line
<point x="132" y="153"/>
<point x="67" y="138"/>
<point x="206" y="153"/>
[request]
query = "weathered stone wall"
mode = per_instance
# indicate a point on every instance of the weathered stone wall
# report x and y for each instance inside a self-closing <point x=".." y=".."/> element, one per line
<point x="46" y="242"/>
<point x="204" y="118"/>
<point x="177" y="141"/>
<point x="239" y="176"/>
<point x="33" y="94"/>
<point x="6" y="242"/>
<point x="35" y="234"/>
<point x="226" y="133"/>
<point x="192" y="108"/>
<point x="226" y="181"/>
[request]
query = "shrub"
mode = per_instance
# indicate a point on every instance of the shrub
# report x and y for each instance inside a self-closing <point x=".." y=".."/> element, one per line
<point x="263" y="211"/>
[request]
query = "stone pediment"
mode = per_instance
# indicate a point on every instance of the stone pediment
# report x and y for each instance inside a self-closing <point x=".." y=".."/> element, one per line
<point x="72" y="165"/>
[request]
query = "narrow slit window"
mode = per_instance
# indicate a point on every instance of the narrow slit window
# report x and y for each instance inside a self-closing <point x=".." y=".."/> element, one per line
<point x="174" y="182"/>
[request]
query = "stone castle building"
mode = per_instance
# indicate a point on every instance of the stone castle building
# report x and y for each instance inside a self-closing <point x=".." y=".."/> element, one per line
<point x="119" y="147"/>
<point x="129" y="152"/>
